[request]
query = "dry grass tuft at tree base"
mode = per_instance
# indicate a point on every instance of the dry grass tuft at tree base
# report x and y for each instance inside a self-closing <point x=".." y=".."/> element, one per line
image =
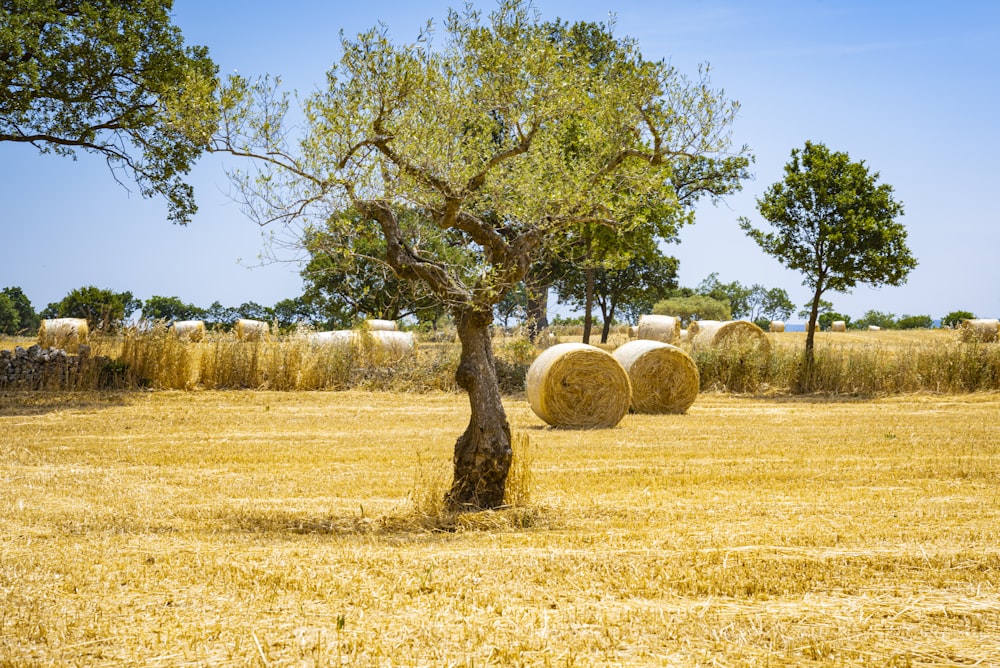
<point x="278" y="528"/>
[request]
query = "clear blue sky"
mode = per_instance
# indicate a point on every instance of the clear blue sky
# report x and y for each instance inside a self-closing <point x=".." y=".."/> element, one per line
<point x="910" y="87"/>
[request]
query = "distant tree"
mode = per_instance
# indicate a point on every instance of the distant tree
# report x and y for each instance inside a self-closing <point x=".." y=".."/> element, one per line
<point x="28" y="320"/>
<point x="347" y="279"/>
<point x="915" y="322"/>
<point x="878" y="319"/>
<point x="824" y="306"/>
<point x="734" y="294"/>
<point x="835" y="224"/>
<point x="170" y="308"/>
<point x="695" y="307"/>
<point x="103" y="309"/>
<point x="955" y="318"/>
<point x="221" y="317"/>
<point x="631" y="283"/>
<point x="827" y="319"/>
<point x="254" y="311"/>
<point x="765" y="305"/>
<point x="10" y="319"/>
<point x="513" y="305"/>
<point x="111" y="77"/>
<point x="290" y="312"/>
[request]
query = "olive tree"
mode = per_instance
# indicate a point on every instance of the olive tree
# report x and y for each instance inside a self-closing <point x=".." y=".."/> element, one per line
<point x="473" y="135"/>
<point x="110" y="77"/>
<point x="835" y="224"/>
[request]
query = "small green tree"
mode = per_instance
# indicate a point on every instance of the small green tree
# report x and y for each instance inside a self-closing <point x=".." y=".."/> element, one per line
<point x="694" y="307"/>
<point x="765" y="305"/>
<point x="736" y="295"/>
<point x="835" y="224"/>
<point x="827" y="319"/>
<point x="915" y="322"/>
<point x="955" y="318"/>
<point x="27" y="318"/>
<point x="110" y="77"/>
<point x="873" y="318"/>
<point x="170" y="308"/>
<point x="10" y="319"/>
<point x="103" y="309"/>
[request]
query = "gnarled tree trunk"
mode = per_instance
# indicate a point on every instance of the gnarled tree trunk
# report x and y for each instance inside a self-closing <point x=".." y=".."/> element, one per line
<point x="483" y="453"/>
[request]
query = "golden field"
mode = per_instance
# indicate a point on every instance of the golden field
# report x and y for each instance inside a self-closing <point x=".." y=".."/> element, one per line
<point x="245" y="528"/>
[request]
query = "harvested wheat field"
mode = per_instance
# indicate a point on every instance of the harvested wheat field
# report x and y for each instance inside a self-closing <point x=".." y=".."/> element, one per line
<point x="297" y="529"/>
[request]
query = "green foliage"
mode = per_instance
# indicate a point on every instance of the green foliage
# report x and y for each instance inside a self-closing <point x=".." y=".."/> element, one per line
<point x="103" y="309"/>
<point x="695" y="307"/>
<point x="111" y="77"/>
<point x="915" y="322"/>
<point x="768" y="304"/>
<point x="26" y="318"/>
<point x="170" y="308"/>
<point x="876" y="319"/>
<point x="10" y="319"/>
<point x="827" y="319"/>
<point x="736" y="295"/>
<point x="347" y="280"/>
<point x="955" y="318"/>
<point x="833" y="223"/>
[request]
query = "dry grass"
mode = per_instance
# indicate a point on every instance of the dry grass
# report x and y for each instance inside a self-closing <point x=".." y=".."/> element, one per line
<point x="282" y="529"/>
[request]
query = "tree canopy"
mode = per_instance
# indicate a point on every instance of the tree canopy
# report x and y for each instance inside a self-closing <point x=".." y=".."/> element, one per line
<point x="506" y="139"/>
<point x="112" y="77"/>
<point x="835" y="224"/>
<point x="102" y="308"/>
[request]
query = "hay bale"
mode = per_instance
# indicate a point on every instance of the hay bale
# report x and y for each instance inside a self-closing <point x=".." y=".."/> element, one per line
<point x="381" y="325"/>
<point x="664" y="378"/>
<point x="979" y="330"/>
<point x="342" y="338"/>
<point x="633" y="332"/>
<point x="65" y="333"/>
<point x="874" y="328"/>
<point x="838" y="326"/>
<point x="578" y="386"/>
<point x="728" y="334"/>
<point x="251" y="330"/>
<point x="776" y="327"/>
<point x="189" y="330"/>
<point x="397" y="343"/>
<point x="665" y="328"/>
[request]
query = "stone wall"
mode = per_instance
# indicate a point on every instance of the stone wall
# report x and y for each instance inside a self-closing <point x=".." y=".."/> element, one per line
<point x="37" y="368"/>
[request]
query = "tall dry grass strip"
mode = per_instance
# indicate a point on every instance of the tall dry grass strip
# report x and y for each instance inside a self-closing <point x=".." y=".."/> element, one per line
<point x="65" y="333"/>
<point x="578" y="386"/>
<point x="729" y="334"/>
<point x="664" y="328"/>
<point x="980" y="330"/>
<point x="664" y="378"/>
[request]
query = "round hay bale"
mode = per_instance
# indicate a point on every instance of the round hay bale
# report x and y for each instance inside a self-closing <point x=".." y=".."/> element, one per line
<point x="695" y="327"/>
<point x="729" y="334"/>
<point x="65" y="333"/>
<point x="189" y="330"/>
<point x="838" y="326"/>
<point x="874" y="328"/>
<point x="381" y="325"/>
<point x="394" y="342"/>
<point x="251" y="330"/>
<point x="981" y="330"/>
<point x="341" y="338"/>
<point x="665" y="328"/>
<point x="664" y="378"/>
<point x="578" y="386"/>
<point x="776" y="326"/>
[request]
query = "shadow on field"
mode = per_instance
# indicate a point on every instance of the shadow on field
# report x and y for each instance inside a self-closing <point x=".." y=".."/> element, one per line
<point x="402" y="525"/>
<point x="26" y="403"/>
